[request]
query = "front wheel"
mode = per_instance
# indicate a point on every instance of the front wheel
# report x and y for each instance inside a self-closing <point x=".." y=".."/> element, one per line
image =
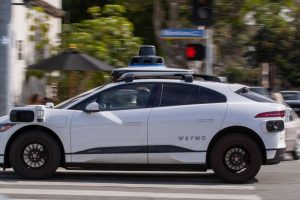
<point x="236" y="158"/>
<point x="34" y="155"/>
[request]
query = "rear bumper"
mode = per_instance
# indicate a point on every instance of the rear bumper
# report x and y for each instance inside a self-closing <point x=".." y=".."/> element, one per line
<point x="279" y="156"/>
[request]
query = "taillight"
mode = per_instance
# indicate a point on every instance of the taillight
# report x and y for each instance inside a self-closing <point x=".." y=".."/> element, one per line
<point x="280" y="113"/>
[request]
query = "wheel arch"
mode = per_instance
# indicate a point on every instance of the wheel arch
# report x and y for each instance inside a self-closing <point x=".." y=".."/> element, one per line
<point x="28" y="128"/>
<point x="236" y="129"/>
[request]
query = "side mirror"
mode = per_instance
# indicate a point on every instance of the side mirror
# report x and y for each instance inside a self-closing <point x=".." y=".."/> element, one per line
<point x="49" y="105"/>
<point x="92" y="107"/>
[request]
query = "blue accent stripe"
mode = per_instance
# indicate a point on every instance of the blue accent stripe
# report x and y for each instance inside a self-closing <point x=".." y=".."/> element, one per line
<point x="136" y="149"/>
<point x="182" y="33"/>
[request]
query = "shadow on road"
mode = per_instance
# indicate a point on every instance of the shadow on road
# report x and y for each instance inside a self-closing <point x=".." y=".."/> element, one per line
<point x="195" y="178"/>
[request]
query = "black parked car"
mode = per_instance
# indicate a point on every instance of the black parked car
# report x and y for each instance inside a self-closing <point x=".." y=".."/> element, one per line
<point x="292" y="98"/>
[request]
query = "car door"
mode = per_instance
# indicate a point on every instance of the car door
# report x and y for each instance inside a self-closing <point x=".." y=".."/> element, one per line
<point x="180" y="129"/>
<point x="116" y="134"/>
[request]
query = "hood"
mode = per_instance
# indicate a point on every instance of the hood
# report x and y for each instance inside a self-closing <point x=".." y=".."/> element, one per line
<point x="4" y="119"/>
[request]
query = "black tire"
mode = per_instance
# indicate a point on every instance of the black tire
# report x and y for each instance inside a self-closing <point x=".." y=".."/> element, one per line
<point x="295" y="155"/>
<point x="236" y="158"/>
<point x="35" y="155"/>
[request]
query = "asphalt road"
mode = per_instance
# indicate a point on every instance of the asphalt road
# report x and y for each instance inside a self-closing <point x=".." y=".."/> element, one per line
<point x="273" y="182"/>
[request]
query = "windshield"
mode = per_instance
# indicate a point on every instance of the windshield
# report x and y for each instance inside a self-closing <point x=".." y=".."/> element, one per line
<point x="72" y="100"/>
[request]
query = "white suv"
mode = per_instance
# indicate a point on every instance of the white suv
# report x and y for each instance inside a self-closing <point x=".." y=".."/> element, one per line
<point x="154" y="119"/>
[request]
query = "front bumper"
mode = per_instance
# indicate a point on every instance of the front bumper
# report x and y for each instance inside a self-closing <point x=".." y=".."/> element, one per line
<point x="1" y="161"/>
<point x="279" y="156"/>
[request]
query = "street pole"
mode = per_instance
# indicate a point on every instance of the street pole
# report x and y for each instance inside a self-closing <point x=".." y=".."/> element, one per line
<point x="5" y="17"/>
<point x="209" y="52"/>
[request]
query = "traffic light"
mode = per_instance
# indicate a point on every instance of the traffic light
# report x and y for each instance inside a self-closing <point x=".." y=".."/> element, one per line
<point x="195" y="52"/>
<point x="202" y="12"/>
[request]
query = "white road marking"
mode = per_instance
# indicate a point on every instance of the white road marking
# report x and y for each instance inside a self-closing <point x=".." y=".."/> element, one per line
<point x="129" y="194"/>
<point x="127" y="185"/>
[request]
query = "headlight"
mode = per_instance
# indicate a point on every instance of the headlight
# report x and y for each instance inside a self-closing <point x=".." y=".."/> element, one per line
<point x="6" y="126"/>
<point x="40" y="113"/>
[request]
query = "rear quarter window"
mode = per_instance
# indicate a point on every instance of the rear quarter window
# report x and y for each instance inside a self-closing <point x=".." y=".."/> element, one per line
<point x="245" y="92"/>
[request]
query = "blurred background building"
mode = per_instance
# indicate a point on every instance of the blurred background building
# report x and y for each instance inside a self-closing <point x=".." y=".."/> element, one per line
<point x="35" y="33"/>
<point x="253" y="42"/>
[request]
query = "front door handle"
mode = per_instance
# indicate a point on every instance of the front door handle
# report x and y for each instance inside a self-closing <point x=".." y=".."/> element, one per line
<point x="205" y="120"/>
<point x="133" y="123"/>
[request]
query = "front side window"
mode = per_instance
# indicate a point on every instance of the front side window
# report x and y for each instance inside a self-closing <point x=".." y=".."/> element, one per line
<point x="132" y="96"/>
<point x="178" y="94"/>
<point x="122" y="97"/>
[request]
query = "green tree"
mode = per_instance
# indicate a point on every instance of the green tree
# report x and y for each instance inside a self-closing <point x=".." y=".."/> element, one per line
<point x="39" y="31"/>
<point x="237" y="22"/>
<point x="239" y="74"/>
<point x="277" y="41"/>
<point x="268" y="25"/>
<point x="108" y="36"/>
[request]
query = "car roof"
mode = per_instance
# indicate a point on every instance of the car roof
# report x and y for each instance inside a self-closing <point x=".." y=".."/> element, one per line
<point x="152" y="68"/>
<point x="218" y="86"/>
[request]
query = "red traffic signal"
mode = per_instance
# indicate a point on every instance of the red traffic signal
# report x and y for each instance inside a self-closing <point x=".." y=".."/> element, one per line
<point x="195" y="52"/>
<point x="190" y="52"/>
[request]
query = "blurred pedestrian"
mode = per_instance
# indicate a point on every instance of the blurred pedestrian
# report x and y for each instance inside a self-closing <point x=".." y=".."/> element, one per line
<point x="276" y="96"/>
<point x="36" y="99"/>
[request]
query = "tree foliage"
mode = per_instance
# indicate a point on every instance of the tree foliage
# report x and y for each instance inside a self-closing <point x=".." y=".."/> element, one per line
<point x="39" y="31"/>
<point x="269" y="26"/>
<point x="238" y="74"/>
<point x="108" y="36"/>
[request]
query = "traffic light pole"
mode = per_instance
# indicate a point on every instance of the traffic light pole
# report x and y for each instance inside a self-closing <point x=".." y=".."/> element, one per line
<point x="209" y="52"/>
<point x="5" y="17"/>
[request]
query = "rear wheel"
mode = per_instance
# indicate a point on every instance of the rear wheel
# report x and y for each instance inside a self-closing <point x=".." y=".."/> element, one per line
<point x="236" y="158"/>
<point x="35" y="155"/>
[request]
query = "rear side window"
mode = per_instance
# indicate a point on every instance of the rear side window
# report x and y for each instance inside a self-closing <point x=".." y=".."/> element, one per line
<point x="206" y="95"/>
<point x="245" y="92"/>
<point x="178" y="94"/>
